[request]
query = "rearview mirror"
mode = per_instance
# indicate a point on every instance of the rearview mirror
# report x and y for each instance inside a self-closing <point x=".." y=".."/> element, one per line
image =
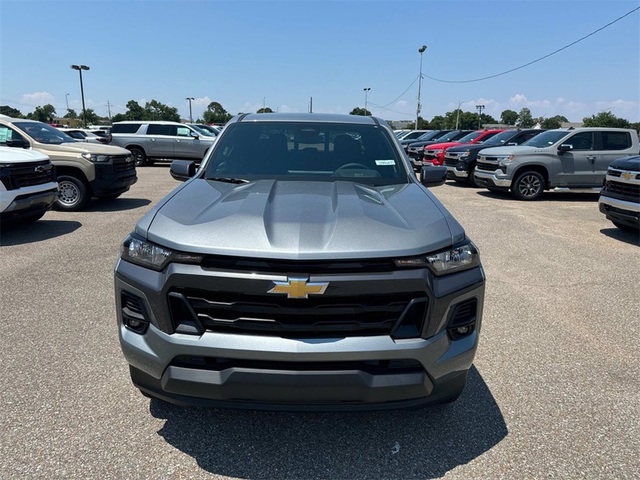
<point x="433" y="176"/>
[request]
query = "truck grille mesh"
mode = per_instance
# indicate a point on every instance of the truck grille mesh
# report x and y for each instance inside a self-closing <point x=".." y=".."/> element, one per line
<point x="322" y="316"/>
<point x="19" y="176"/>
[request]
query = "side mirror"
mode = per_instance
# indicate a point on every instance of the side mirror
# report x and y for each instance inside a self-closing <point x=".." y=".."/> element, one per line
<point x="433" y="176"/>
<point x="18" y="143"/>
<point x="564" y="148"/>
<point x="194" y="135"/>
<point x="182" y="169"/>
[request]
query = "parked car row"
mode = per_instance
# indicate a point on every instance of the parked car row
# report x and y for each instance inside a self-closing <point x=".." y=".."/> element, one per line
<point x="83" y="170"/>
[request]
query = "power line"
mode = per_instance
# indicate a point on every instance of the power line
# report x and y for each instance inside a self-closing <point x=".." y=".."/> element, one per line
<point x="539" y="59"/>
<point x="401" y="95"/>
<point x="389" y="110"/>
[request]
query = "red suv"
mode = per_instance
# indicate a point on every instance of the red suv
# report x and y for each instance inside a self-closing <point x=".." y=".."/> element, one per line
<point x="434" y="154"/>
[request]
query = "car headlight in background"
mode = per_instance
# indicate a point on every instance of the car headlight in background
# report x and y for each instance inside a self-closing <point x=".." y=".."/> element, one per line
<point x="465" y="154"/>
<point x="505" y="159"/>
<point x="92" y="157"/>
<point x="461" y="257"/>
<point x="142" y="252"/>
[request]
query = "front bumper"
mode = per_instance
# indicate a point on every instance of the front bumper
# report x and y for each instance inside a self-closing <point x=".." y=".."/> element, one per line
<point x="30" y="202"/>
<point x="113" y="178"/>
<point x="620" y="211"/>
<point x="487" y="179"/>
<point x="453" y="172"/>
<point x="293" y="372"/>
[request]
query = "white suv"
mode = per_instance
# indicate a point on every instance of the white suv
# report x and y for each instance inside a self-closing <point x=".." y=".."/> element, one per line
<point x="149" y="141"/>
<point x="28" y="186"/>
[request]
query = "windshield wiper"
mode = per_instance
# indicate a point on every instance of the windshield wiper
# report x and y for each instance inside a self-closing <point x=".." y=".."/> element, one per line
<point x="228" y="179"/>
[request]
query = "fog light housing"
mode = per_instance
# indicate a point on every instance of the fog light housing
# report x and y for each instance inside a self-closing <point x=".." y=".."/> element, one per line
<point x="134" y="316"/>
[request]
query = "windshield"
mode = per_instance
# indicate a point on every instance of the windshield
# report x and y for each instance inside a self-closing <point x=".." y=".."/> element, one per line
<point x="546" y="139"/>
<point x="428" y="136"/>
<point x="306" y="151"/>
<point x="43" y="133"/>
<point x="470" y="137"/>
<point x="448" y="136"/>
<point x="500" y="138"/>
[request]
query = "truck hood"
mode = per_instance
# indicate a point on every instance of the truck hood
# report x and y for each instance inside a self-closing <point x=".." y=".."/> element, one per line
<point x="515" y="149"/>
<point x="20" y="155"/>
<point x="301" y="220"/>
<point x="443" y="146"/>
<point x="632" y="163"/>
<point x="81" y="147"/>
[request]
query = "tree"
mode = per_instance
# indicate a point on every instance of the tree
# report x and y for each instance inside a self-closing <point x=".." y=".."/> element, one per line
<point x="10" y="111"/>
<point x="605" y="119"/>
<point x="509" y="117"/>
<point x="265" y="110"/>
<point x="553" y="122"/>
<point x="155" y="110"/>
<point x="134" y="111"/>
<point x="215" y="113"/>
<point x="525" y="119"/>
<point x="44" y="114"/>
<point x="360" y="111"/>
<point x="438" y="123"/>
<point x="71" y="114"/>
<point x="92" y="117"/>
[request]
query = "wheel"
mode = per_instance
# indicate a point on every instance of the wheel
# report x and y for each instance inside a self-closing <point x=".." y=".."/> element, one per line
<point x="528" y="186"/>
<point x="72" y="193"/>
<point x="139" y="156"/>
<point x="471" y="179"/>
<point x="626" y="228"/>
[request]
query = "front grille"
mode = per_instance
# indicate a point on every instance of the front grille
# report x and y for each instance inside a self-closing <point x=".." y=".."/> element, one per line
<point x="618" y="173"/>
<point x="308" y="267"/>
<point x="124" y="164"/>
<point x="623" y="189"/>
<point x="489" y="167"/>
<point x="314" y="317"/>
<point x="450" y="162"/>
<point x="14" y="177"/>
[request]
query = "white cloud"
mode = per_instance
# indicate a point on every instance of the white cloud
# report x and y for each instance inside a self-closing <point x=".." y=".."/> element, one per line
<point x="38" y="98"/>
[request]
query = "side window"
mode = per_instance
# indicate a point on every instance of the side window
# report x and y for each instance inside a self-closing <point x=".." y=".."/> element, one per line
<point x="615" y="140"/>
<point x="526" y="136"/>
<point x="183" y="132"/>
<point x="581" y="141"/>
<point x="7" y="134"/>
<point x="125" y="128"/>
<point x="158" y="129"/>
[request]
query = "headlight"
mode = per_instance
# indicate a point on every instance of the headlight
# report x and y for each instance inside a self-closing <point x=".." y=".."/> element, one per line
<point x="461" y="257"/>
<point x="465" y="154"/>
<point x="136" y="250"/>
<point x="92" y="157"/>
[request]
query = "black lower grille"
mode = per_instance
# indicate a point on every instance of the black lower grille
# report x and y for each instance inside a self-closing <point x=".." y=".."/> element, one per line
<point x="123" y="164"/>
<point x="374" y="367"/>
<point x="624" y="189"/>
<point x="490" y="167"/>
<point x="321" y="316"/>
<point x="19" y="176"/>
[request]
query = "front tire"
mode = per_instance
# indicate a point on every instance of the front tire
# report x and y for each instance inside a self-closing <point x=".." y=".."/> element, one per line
<point x="73" y="194"/>
<point x="528" y="186"/>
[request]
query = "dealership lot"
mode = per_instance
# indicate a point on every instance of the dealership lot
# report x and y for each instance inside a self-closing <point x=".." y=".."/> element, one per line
<point x="554" y="390"/>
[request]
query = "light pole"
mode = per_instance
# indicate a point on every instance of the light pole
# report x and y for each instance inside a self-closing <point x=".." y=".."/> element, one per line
<point x="84" y="111"/>
<point x="366" y="91"/>
<point x="190" y="114"/>
<point x="479" y="108"/>
<point x="421" y="51"/>
<point x="66" y="97"/>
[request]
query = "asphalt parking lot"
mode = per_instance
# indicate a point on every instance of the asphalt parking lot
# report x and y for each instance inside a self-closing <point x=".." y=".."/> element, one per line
<point x="554" y="391"/>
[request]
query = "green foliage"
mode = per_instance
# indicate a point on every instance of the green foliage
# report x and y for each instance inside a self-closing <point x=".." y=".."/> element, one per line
<point x="265" y="110"/>
<point x="92" y="117"/>
<point x="552" y="122"/>
<point x="360" y="111"/>
<point x="605" y="119"/>
<point x="509" y="117"/>
<point x="215" y="113"/>
<point x="525" y="119"/>
<point x="10" y="111"/>
<point x="44" y="114"/>
<point x="438" y="123"/>
<point x="152" y="110"/>
<point x="71" y="114"/>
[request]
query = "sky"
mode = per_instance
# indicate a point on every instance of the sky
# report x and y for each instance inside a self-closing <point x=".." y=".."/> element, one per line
<point x="280" y="54"/>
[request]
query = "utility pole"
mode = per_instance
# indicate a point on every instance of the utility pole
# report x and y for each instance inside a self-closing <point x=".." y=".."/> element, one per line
<point x="479" y="108"/>
<point x="458" y="114"/>
<point x="190" y="114"/>
<point x="366" y="90"/>
<point x="109" y="110"/>
<point x="310" y="104"/>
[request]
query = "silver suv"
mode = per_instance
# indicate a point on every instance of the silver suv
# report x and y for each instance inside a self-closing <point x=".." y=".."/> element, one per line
<point x="149" y="141"/>
<point x="319" y="274"/>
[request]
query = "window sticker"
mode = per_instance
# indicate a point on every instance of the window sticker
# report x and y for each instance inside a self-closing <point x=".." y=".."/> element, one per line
<point x="382" y="163"/>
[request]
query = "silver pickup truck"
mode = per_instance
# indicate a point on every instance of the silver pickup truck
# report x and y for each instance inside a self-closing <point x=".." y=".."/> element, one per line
<point x="154" y="140"/>
<point x="318" y="274"/>
<point x="562" y="158"/>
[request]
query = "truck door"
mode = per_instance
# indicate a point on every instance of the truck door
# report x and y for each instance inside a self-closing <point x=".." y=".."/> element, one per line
<point x="577" y="164"/>
<point x="609" y="146"/>
<point x="160" y="144"/>
<point x="188" y="144"/>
